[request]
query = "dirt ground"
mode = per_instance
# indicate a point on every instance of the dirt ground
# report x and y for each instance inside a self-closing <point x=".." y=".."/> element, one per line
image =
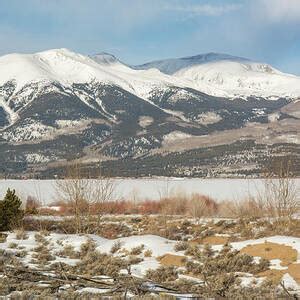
<point x="294" y="271"/>
<point x="212" y="240"/>
<point x="268" y="250"/>
<point x="172" y="260"/>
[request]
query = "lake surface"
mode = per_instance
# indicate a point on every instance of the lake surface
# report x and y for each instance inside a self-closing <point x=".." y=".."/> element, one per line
<point x="141" y="189"/>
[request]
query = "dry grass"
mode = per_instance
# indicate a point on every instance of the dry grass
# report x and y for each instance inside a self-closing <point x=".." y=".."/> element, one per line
<point x="172" y="260"/>
<point x="294" y="271"/>
<point x="211" y="240"/>
<point x="269" y="251"/>
<point x="21" y="234"/>
<point x="116" y="247"/>
<point x="273" y="275"/>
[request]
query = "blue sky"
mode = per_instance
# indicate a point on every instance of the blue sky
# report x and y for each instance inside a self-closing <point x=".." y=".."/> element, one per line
<point x="138" y="31"/>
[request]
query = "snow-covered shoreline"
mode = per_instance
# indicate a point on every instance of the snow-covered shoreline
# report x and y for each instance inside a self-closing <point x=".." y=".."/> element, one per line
<point x="147" y="188"/>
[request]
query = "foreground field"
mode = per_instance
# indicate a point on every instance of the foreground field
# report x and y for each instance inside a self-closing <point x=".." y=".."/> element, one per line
<point x="152" y="256"/>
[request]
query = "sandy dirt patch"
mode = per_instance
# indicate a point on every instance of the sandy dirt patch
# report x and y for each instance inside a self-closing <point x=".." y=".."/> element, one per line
<point x="172" y="260"/>
<point x="211" y="240"/>
<point x="269" y="250"/>
<point x="294" y="271"/>
<point x="274" y="275"/>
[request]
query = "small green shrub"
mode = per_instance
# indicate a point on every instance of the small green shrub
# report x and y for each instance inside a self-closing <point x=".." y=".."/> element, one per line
<point x="11" y="213"/>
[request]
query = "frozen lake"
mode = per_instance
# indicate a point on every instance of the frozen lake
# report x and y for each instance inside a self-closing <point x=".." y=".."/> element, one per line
<point x="141" y="189"/>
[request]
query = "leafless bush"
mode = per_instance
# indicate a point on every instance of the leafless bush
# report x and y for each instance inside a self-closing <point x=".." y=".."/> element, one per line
<point x="21" y="234"/>
<point x="32" y="205"/>
<point x="116" y="247"/>
<point x="86" y="247"/>
<point x="68" y="251"/>
<point x="163" y="274"/>
<point x="148" y="253"/>
<point x="242" y="208"/>
<point x="137" y="250"/>
<point x="94" y="263"/>
<point x="133" y="259"/>
<point x="181" y="246"/>
<point x="201" y="206"/>
<point x="42" y="253"/>
<point x="85" y="196"/>
<point x="280" y="194"/>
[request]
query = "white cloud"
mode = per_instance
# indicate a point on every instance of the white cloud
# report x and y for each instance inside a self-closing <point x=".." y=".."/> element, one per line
<point x="280" y="10"/>
<point x="204" y="9"/>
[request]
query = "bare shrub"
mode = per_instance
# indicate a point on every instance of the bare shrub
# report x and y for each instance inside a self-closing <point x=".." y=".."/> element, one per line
<point x="85" y="196"/>
<point x="116" y="247"/>
<point x="42" y="253"/>
<point x="280" y="194"/>
<point x="163" y="274"/>
<point x="175" y="205"/>
<point x="242" y="208"/>
<point x="86" y="247"/>
<point x="133" y="260"/>
<point x="21" y="234"/>
<point x="225" y="261"/>
<point x="32" y="205"/>
<point x="68" y="251"/>
<point x="94" y="263"/>
<point x="200" y="206"/>
<point x="181" y="246"/>
<point x="137" y="250"/>
<point x="148" y="253"/>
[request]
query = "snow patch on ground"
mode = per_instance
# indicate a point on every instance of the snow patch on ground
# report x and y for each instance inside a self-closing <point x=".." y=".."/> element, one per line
<point x="274" y="117"/>
<point x="208" y="118"/>
<point x="145" y="121"/>
<point x="32" y="130"/>
<point x="175" y="135"/>
<point x="67" y="123"/>
<point x="36" y="158"/>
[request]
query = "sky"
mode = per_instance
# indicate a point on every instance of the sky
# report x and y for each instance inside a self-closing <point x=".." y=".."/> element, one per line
<point x="138" y="31"/>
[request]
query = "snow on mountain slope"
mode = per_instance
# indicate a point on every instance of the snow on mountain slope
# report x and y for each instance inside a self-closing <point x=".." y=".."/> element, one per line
<point x="104" y="58"/>
<point x="214" y="74"/>
<point x="58" y="65"/>
<point x="67" y="67"/>
<point x="172" y="65"/>
<point x="240" y="78"/>
<point x="230" y="76"/>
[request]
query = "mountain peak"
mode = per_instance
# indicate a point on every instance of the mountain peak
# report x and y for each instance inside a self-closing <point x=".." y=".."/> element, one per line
<point x="104" y="58"/>
<point x="213" y="56"/>
<point x="172" y="65"/>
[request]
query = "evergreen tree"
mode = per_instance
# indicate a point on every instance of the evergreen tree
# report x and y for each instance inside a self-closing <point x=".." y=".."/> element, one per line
<point x="10" y="210"/>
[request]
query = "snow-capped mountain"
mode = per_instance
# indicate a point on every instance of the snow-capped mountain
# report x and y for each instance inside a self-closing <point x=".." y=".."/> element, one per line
<point x="66" y="67"/>
<point x="214" y="74"/>
<point x="58" y="105"/>
<point x="172" y="65"/>
<point x="229" y="76"/>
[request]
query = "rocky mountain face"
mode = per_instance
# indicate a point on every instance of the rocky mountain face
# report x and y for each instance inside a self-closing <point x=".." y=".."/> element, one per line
<point x="208" y="115"/>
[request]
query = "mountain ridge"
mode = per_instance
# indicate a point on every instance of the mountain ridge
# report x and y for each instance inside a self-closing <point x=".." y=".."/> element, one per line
<point x="58" y="106"/>
<point x="212" y="73"/>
